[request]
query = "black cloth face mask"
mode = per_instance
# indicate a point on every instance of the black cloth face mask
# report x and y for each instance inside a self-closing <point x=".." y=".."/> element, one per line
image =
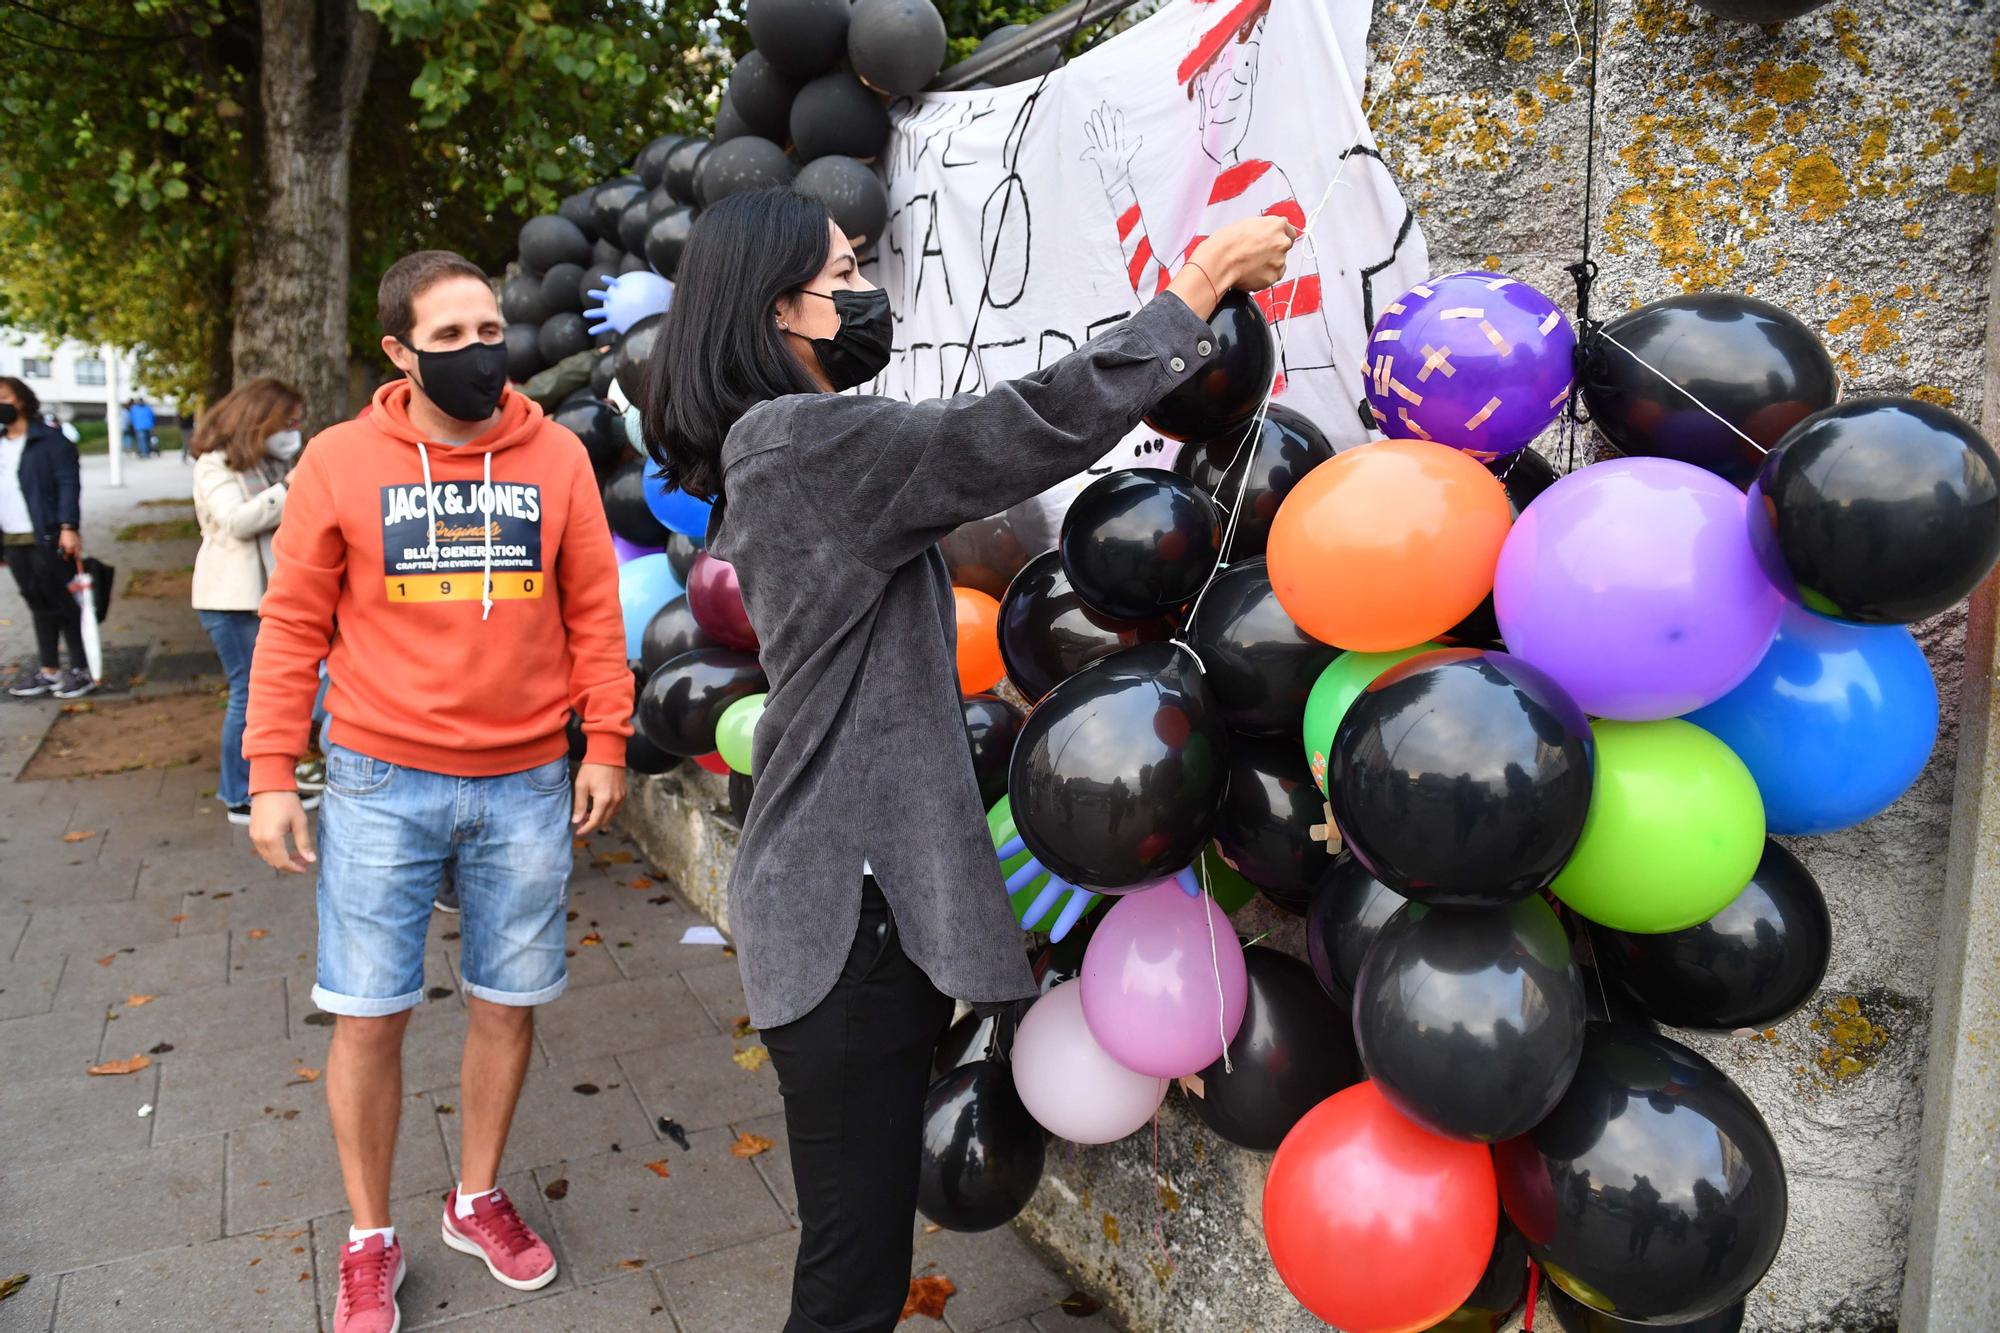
<point x="859" y="351"/>
<point x="466" y="382"/>
<point x="9" y="414"/>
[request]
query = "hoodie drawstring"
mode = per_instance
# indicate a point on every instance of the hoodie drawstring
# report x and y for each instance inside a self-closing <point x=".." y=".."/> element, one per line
<point x="485" y="508"/>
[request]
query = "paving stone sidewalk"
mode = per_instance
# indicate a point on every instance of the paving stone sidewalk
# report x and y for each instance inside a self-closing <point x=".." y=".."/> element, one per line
<point x="201" y="1192"/>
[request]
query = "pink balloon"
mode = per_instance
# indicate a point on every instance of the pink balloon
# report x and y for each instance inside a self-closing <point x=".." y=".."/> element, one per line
<point x="716" y="599"/>
<point x="1149" y="982"/>
<point x="1072" y="1088"/>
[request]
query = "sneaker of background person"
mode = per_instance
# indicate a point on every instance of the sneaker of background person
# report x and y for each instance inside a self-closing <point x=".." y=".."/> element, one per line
<point x="495" y="1233"/>
<point x="310" y="774"/>
<point x="74" y="684"/>
<point x="370" y="1273"/>
<point x="30" y="683"/>
<point x="240" y="814"/>
<point x="447" y="895"/>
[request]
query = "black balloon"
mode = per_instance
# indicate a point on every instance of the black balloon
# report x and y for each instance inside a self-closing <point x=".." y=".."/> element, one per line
<point x="1573" y="1316"/>
<point x="680" y="169"/>
<point x="667" y="239"/>
<point x="632" y="358"/>
<point x="673" y="630"/>
<point x="1349" y="909"/>
<point x="605" y="252"/>
<point x="1287" y="447"/>
<point x="561" y="290"/>
<point x="985" y="554"/>
<point x="1048" y="633"/>
<point x="681" y="551"/>
<point x="1462" y="777"/>
<point x="596" y="278"/>
<point x="1759" y="11"/>
<point x="1118" y="775"/>
<point x="852" y="192"/>
<point x="1293" y="1051"/>
<point x="1752" y="964"/>
<point x="1880" y="510"/>
<point x="1267" y="816"/>
<point x="578" y="742"/>
<point x="595" y="422"/>
<point x="729" y="124"/>
<point x="686" y="697"/>
<point x="1524" y="474"/>
<point x="762" y="94"/>
<point x="743" y="163"/>
<point x="658" y="204"/>
<point x="1233" y="379"/>
<point x="1139" y="543"/>
<point x="608" y="201"/>
<point x="652" y="163"/>
<point x="550" y="240"/>
<point x="1260" y="664"/>
<point x="575" y="208"/>
<point x="634" y="263"/>
<point x="625" y="507"/>
<point x="1471" y="1023"/>
<point x="521" y="300"/>
<point x="642" y="756"/>
<point x="1502" y="1289"/>
<point x="896" y="45"/>
<point x="992" y="725"/>
<point x="741" y="789"/>
<point x="1022" y="68"/>
<point x="837" y="113"/>
<point x="982" y="1152"/>
<point x="800" y="37"/>
<point x="632" y="223"/>
<point x="562" y="336"/>
<point x="1756" y="366"/>
<point x="524" y="352"/>
<point x="1653" y="1190"/>
<point x="603" y="376"/>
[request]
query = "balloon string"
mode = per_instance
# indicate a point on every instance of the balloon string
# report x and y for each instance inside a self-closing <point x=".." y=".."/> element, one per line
<point x="1683" y="391"/>
<point x="1215" y="964"/>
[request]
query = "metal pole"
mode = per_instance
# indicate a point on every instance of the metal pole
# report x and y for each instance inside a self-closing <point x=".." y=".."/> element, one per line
<point x="114" y="416"/>
<point x="1048" y="30"/>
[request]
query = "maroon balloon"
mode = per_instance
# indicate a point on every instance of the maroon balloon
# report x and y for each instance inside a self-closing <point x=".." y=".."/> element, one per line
<point x="716" y="599"/>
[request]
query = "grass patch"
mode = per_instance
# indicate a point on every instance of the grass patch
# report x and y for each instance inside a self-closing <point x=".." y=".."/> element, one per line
<point x="168" y="503"/>
<point x="167" y="530"/>
<point x="162" y="584"/>
<point x="91" y="437"/>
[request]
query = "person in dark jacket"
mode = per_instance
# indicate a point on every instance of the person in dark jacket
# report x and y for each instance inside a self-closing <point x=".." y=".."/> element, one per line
<point x="39" y="525"/>
<point x="866" y="894"/>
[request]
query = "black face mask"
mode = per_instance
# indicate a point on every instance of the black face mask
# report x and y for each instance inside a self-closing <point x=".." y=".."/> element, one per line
<point x="466" y="382"/>
<point x="9" y="414"/>
<point x="858" y="352"/>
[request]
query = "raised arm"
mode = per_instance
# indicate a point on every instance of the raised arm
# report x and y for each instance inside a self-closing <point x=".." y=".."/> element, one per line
<point x="242" y="518"/>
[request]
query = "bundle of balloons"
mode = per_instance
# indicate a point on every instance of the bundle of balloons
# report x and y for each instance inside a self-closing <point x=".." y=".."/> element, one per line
<point x="1482" y="725"/>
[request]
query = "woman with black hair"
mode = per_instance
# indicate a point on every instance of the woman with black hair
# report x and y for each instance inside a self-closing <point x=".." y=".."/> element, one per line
<point x="866" y="892"/>
<point x="39" y="528"/>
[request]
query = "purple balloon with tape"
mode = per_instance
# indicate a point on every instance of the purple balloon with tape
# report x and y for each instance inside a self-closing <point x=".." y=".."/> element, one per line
<point x="1477" y="361"/>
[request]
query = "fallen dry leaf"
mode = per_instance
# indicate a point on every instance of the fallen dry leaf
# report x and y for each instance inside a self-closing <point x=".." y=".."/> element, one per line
<point x="742" y="1027"/>
<point x="80" y="835"/>
<point x="256" y="933"/>
<point x="176" y="920"/>
<point x="8" y="1286"/>
<point x="592" y="938"/>
<point x="258" y="1260"/>
<point x="107" y="960"/>
<point x="134" y="1001"/>
<point x="131" y="1066"/>
<point x="927" y="1297"/>
<point x="631" y="1265"/>
<point x="749" y="1145"/>
<point x="557" y="1188"/>
<point x="304" y="1075"/>
<point x="658" y="1168"/>
<point x="932" y="1228"/>
<point x="751" y="1058"/>
<point x="640" y="883"/>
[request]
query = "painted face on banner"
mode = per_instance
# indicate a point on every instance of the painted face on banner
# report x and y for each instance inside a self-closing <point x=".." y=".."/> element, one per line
<point x="1222" y="94"/>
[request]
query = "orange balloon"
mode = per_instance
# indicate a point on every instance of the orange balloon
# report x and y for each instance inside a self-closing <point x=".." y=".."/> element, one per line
<point x="1388" y="545"/>
<point x="979" y="664"/>
<point x="1376" y="1224"/>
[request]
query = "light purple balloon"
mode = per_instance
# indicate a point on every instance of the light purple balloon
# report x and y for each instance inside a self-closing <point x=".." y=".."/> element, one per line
<point x="625" y="550"/>
<point x="1149" y="981"/>
<point x="1632" y="582"/>
<point x="1069" y="1085"/>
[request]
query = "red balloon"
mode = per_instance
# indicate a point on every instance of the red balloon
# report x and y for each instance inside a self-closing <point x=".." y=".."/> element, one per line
<point x="713" y="763"/>
<point x="716" y="599"/>
<point x="1376" y="1224"/>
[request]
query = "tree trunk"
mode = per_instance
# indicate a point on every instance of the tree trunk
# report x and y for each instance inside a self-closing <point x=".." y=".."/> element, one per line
<point x="292" y="276"/>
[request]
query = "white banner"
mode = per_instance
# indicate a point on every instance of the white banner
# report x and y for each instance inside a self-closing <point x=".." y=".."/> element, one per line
<point x="1022" y="224"/>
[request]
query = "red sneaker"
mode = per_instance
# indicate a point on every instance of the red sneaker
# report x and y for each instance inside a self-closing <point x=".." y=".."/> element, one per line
<point x="370" y="1273"/>
<point x="514" y="1254"/>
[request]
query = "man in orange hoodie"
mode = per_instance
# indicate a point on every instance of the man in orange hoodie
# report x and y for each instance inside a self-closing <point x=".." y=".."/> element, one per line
<point x="448" y="556"/>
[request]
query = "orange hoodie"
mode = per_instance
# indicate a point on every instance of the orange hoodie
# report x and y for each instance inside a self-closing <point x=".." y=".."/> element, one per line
<point x="379" y="570"/>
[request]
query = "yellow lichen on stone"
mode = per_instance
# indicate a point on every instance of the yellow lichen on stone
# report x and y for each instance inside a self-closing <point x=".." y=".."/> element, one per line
<point x="1979" y="178"/>
<point x="1110" y="1228"/>
<point x="1756" y="126"/>
<point x="1785" y="84"/>
<point x="1913" y="230"/>
<point x="1935" y="394"/>
<point x="1816" y="189"/>
<point x="1844" y="23"/>
<point x="1852" y="1040"/>
<point x="1521" y="46"/>
<point x="1170" y="1199"/>
<point x="1876" y="325"/>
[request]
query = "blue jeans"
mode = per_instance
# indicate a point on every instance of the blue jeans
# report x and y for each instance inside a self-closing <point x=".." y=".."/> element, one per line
<point x="235" y="635"/>
<point x="388" y="835"/>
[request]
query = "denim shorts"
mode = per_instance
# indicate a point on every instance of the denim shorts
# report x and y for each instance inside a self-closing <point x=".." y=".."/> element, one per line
<point x="388" y="835"/>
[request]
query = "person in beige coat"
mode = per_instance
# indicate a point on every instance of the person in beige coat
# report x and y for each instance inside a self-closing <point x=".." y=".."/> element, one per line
<point x="243" y="451"/>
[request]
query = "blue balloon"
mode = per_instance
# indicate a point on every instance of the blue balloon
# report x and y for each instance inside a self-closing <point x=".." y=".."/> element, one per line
<point x="675" y="508"/>
<point x="645" y="584"/>
<point x="1834" y="724"/>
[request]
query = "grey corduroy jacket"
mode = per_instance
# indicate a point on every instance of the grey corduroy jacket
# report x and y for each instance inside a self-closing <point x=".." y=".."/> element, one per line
<point x="833" y="505"/>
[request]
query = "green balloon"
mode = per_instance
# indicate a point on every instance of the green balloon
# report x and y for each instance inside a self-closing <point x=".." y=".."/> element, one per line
<point x="1675" y="829"/>
<point x="736" y="730"/>
<point x="1229" y="889"/>
<point x="1337" y="687"/>
<point x="1000" y="824"/>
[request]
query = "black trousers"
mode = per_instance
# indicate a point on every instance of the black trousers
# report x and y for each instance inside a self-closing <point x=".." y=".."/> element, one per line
<point x="43" y="579"/>
<point x="853" y="1073"/>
